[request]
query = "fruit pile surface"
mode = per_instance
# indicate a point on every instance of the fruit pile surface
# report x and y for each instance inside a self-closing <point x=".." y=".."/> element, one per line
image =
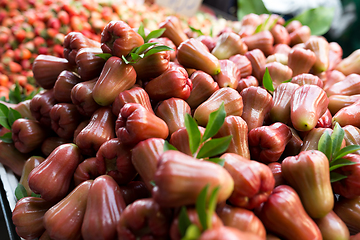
<point x="162" y="133"/>
<point x="32" y="27"/>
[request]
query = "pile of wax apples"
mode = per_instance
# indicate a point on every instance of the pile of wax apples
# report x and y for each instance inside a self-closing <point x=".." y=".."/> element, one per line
<point x="32" y="27"/>
<point x="154" y="135"/>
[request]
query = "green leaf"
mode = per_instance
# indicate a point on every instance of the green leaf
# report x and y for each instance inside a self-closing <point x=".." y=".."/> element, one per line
<point x="289" y="80"/>
<point x="155" y="34"/>
<point x="318" y="19"/>
<point x="15" y="95"/>
<point x="32" y="94"/>
<point x="337" y="138"/>
<point x="192" y="233"/>
<point x="198" y="31"/>
<point x="141" y="31"/>
<point x="262" y="26"/>
<point x="340" y="163"/>
<point x="7" y="137"/>
<point x="184" y="221"/>
<point x="13" y="116"/>
<point x="246" y="7"/>
<point x="325" y="145"/>
<point x="216" y="120"/>
<point x="168" y="146"/>
<point x="143" y="47"/>
<point x="193" y="133"/>
<point x="156" y="49"/>
<point x="211" y="31"/>
<point x="35" y="195"/>
<point x="212" y="205"/>
<point x="334" y="177"/>
<point x="259" y="28"/>
<point x="4" y="112"/>
<point x="20" y="192"/>
<point x="220" y="161"/>
<point x="346" y="150"/>
<point x="201" y="207"/>
<point x="104" y="56"/>
<point x="152" y="182"/>
<point x="134" y="56"/>
<point x="267" y="81"/>
<point x="125" y="60"/>
<point x="214" y="147"/>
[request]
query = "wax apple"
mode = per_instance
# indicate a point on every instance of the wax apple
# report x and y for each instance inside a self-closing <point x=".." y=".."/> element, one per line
<point x="308" y="173"/>
<point x="118" y="38"/>
<point x="284" y="215"/>
<point x="52" y="178"/>
<point x="135" y="123"/>
<point x="190" y="176"/>
<point x="267" y="143"/>
<point x="250" y="190"/>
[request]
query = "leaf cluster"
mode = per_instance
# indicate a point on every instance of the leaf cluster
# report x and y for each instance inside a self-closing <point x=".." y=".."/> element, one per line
<point x="330" y="145"/>
<point x="18" y="94"/>
<point x="264" y="26"/>
<point x="20" y="192"/>
<point x="205" y="209"/>
<point x="144" y="50"/>
<point x="7" y="117"/>
<point x="202" y="147"/>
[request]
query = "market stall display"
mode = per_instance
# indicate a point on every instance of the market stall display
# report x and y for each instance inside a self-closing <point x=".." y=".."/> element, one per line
<point x="178" y="132"/>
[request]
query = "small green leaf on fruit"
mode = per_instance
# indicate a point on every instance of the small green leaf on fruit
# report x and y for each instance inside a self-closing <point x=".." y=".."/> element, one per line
<point x="220" y="161"/>
<point x="35" y="195"/>
<point x="143" y="47"/>
<point x="334" y="177"/>
<point x="214" y="147"/>
<point x="346" y="150"/>
<point x="134" y="56"/>
<point x="4" y="112"/>
<point x="216" y="120"/>
<point x="15" y="94"/>
<point x="286" y="81"/>
<point x="125" y="60"/>
<point x="141" y="30"/>
<point x="104" y="56"/>
<point x="201" y="207"/>
<point x="198" y="31"/>
<point x="13" y="116"/>
<point x="168" y="146"/>
<point x="267" y="81"/>
<point x="261" y="27"/>
<point x="192" y="233"/>
<point x="7" y="138"/>
<point x="20" y="192"/>
<point x="184" y="221"/>
<point x="152" y="182"/>
<point x="337" y="138"/>
<point x="325" y="144"/>
<point x="212" y="205"/>
<point x="193" y="133"/>
<point x="341" y="162"/>
<point x="154" y="34"/>
<point x="156" y="49"/>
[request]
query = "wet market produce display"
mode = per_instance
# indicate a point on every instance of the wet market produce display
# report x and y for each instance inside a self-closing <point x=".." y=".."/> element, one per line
<point x="161" y="133"/>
